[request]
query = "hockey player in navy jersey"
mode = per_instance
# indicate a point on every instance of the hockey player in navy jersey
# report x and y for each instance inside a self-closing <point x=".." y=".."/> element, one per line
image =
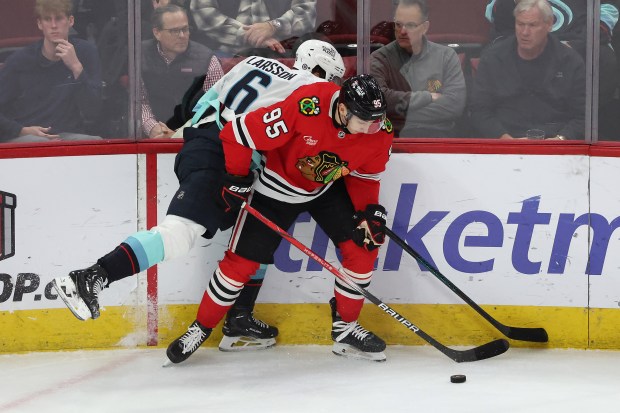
<point x="199" y="166"/>
<point x="323" y="151"/>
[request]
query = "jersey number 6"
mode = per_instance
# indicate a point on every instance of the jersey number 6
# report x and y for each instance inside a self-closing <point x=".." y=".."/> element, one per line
<point x="273" y="131"/>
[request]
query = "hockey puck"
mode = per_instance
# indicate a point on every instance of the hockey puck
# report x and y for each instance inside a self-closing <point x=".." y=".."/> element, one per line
<point x="458" y="378"/>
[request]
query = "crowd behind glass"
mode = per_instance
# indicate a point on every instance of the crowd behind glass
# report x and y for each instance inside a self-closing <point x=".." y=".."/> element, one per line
<point x="448" y="69"/>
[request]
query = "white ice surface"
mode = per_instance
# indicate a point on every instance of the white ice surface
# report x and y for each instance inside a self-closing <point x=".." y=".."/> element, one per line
<point x="309" y="379"/>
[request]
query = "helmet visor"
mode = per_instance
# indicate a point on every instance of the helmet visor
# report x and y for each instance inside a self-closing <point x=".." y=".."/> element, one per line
<point x="357" y="125"/>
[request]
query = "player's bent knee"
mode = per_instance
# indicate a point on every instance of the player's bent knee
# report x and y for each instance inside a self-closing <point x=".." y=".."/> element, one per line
<point x="179" y="235"/>
<point x="357" y="259"/>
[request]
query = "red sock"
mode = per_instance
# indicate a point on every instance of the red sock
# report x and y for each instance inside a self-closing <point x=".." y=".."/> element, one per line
<point x="348" y="308"/>
<point x="209" y="312"/>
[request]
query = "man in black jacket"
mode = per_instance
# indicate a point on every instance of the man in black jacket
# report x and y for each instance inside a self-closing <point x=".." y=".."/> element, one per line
<point x="530" y="80"/>
<point x="570" y="26"/>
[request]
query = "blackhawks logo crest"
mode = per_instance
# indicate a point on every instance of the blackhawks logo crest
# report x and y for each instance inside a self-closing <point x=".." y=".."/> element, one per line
<point x="433" y="85"/>
<point x="324" y="167"/>
<point x="309" y="106"/>
<point x="387" y="125"/>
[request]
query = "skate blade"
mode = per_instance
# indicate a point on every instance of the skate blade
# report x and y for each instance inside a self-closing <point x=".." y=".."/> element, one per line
<point x="67" y="291"/>
<point x="167" y="363"/>
<point x="351" y="352"/>
<point x="245" y="343"/>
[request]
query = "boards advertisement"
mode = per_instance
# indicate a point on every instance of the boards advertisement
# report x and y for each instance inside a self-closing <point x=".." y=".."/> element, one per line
<point x="527" y="236"/>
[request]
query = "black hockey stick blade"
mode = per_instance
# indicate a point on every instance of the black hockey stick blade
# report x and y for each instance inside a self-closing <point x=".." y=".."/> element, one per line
<point x="482" y="352"/>
<point x="533" y="334"/>
<point x="485" y="351"/>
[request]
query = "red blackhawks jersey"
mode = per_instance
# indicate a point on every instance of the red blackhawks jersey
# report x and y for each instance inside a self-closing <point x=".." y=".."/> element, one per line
<point x="303" y="150"/>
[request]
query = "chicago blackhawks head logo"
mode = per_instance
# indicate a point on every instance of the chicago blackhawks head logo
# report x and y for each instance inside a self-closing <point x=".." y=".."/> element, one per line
<point x="433" y="85"/>
<point x="309" y="106"/>
<point x="324" y="167"/>
<point x="387" y="125"/>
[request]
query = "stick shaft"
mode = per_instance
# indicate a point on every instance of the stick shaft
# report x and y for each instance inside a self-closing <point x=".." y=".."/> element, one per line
<point x="536" y="334"/>
<point x="487" y="350"/>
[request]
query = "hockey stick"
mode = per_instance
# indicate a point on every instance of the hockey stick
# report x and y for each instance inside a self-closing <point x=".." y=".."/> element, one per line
<point x="535" y="334"/>
<point x="485" y="351"/>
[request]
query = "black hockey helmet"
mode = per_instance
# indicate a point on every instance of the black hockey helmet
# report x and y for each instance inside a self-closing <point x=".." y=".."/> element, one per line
<point x="363" y="98"/>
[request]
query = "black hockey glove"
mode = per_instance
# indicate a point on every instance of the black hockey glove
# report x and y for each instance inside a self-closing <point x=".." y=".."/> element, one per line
<point x="369" y="233"/>
<point x="235" y="191"/>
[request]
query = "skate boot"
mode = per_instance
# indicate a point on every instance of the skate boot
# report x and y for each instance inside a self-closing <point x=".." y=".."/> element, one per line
<point x="183" y="347"/>
<point x="243" y="332"/>
<point x="354" y="341"/>
<point x="80" y="290"/>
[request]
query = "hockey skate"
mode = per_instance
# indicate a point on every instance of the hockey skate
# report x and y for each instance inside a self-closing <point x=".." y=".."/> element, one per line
<point x="80" y="290"/>
<point x="243" y="332"/>
<point x="183" y="347"/>
<point x="354" y="341"/>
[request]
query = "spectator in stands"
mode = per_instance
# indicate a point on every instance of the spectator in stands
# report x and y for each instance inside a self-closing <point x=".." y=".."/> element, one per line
<point x="170" y="62"/>
<point x="423" y="81"/>
<point x="530" y="81"/>
<point x="231" y="26"/>
<point x="50" y="90"/>
<point x="147" y="11"/>
<point x="570" y="26"/>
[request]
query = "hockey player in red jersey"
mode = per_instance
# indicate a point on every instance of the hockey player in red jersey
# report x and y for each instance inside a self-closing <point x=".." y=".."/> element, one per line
<point x="192" y="213"/>
<point x="323" y="151"/>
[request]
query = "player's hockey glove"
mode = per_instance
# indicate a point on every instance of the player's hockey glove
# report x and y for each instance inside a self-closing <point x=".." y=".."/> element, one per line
<point x="369" y="233"/>
<point x="235" y="191"/>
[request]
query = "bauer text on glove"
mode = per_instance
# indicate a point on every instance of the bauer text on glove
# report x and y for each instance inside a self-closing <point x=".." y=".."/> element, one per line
<point x="369" y="232"/>
<point x="235" y="191"/>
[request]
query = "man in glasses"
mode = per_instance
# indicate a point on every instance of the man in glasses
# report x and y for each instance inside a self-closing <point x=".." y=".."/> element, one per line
<point x="423" y="81"/>
<point x="170" y="62"/>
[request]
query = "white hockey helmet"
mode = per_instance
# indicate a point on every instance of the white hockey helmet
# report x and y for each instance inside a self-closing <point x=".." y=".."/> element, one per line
<point x="313" y="53"/>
